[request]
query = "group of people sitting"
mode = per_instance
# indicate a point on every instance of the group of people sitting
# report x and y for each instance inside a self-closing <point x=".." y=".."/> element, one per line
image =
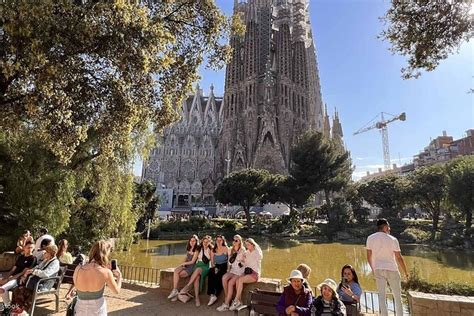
<point x="43" y="259"/>
<point x="35" y="261"/>
<point x="229" y="268"/>
<point x="297" y="297"/>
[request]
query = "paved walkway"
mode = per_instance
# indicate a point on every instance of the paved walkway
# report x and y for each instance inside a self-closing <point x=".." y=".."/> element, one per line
<point x="138" y="300"/>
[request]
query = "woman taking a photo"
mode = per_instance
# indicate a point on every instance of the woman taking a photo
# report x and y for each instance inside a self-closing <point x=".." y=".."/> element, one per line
<point x="186" y="268"/>
<point x="91" y="278"/>
<point x="296" y="300"/>
<point x="349" y="289"/>
<point x="204" y="257"/>
<point x="253" y="269"/>
<point x="218" y="269"/>
<point x="236" y="269"/>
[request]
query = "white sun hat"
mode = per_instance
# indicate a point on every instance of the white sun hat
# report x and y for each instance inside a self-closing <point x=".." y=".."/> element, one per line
<point x="296" y="274"/>
<point x="331" y="284"/>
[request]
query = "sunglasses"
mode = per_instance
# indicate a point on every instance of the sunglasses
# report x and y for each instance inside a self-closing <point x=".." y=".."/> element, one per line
<point x="236" y="240"/>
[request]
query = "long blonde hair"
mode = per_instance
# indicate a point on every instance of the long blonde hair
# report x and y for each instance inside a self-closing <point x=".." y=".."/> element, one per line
<point x="99" y="253"/>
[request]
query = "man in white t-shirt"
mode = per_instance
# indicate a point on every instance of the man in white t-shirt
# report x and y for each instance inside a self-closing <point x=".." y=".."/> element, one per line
<point x="383" y="254"/>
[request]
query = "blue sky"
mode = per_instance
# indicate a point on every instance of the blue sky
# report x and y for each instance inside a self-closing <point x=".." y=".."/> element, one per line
<point x="361" y="77"/>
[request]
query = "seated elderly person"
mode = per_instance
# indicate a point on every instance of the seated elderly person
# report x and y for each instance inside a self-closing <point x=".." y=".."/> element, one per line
<point x="328" y="302"/>
<point x="40" y="253"/>
<point x="296" y="299"/>
<point x="22" y="295"/>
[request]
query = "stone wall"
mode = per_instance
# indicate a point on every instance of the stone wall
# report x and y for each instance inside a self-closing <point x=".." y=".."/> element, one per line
<point x="422" y="304"/>
<point x="267" y="284"/>
<point x="7" y="261"/>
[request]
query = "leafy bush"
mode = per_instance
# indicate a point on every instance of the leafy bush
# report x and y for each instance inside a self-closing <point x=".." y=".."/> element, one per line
<point x="415" y="283"/>
<point x="417" y="235"/>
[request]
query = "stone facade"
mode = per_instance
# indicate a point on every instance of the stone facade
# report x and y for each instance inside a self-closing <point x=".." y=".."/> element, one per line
<point x="184" y="159"/>
<point x="272" y="89"/>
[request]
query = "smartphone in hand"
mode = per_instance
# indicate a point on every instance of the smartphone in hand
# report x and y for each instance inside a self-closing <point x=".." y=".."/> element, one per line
<point x="113" y="264"/>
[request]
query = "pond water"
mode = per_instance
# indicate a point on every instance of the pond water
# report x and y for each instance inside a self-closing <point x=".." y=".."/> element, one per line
<point x="325" y="260"/>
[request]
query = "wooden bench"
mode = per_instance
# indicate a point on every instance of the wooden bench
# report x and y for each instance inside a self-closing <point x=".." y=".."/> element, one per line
<point x="262" y="302"/>
<point x="54" y="289"/>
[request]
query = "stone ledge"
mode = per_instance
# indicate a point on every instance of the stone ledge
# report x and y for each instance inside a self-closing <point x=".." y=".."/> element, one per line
<point x="7" y="260"/>
<point x="267" y="284"/>
<point x="443" y="305"/>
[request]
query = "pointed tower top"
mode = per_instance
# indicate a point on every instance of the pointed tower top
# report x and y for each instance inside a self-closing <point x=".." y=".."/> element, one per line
<point x="212" y="88"/>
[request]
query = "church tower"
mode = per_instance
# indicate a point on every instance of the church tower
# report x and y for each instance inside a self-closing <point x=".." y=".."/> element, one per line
<point x="272" y="89"/>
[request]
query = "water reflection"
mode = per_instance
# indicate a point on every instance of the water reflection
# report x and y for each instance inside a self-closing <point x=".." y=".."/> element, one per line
<point x="448" y="257"/>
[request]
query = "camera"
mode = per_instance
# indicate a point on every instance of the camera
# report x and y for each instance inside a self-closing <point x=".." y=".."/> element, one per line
<point x="113" y="264"/>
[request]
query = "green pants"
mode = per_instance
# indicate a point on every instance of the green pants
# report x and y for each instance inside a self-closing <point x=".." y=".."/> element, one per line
<point x="205" y="270"/>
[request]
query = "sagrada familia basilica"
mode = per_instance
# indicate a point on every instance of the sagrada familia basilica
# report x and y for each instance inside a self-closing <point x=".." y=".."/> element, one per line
<point x="272" y="96"/>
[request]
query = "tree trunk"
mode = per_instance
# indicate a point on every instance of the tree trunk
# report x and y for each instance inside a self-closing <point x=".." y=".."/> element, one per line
<point x="247" y="215"/>
<point x="328" y="202"/>
<point x="435" y="223"/>
<point x="468" y="218"/>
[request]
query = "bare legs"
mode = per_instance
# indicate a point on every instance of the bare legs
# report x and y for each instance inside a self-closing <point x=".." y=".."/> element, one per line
<point x="178" y="273"/>
<point x="228" y="282"/>
<point x="240" y="285"/>
<point x="195" y="278"/>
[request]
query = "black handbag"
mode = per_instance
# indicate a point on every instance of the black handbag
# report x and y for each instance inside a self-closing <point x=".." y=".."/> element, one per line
<point x="248" y="270"/>
<point x="71" y="306"/>
<point x="32" y="281"/>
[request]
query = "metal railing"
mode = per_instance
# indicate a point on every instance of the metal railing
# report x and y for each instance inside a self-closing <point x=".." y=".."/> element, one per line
<point x="140" y="275"/>
<point x="369" y="303"/>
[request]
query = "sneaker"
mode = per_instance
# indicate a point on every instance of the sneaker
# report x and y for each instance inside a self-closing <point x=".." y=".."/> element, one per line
<point x="212" y="300"/>
<point x="174" y="299"/>
<point x="235" y="305"/>
<point x="173" y="294"/>
<point x="224" y="307"/>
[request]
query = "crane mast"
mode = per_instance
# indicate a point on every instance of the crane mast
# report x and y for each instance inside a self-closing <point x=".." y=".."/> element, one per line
<point x="382" y="126"/>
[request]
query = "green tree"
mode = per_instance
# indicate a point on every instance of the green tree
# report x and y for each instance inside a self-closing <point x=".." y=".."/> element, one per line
<point x="36" y="189"/>
<point x="427" y="31"/>
<point x="145" y="203"/>
<point x="318" y="164"/>
<point x="89" y="79"/>
<point x="354" y="198"/>
<point x="387" y="192"/>
<point x="461" y="186"/>
<point x="428" y="189"/>
<point x="103" y="205"/>
<point x="245" y="187"/>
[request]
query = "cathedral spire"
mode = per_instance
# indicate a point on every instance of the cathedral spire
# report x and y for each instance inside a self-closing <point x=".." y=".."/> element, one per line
<point x="327" y="126"/>
<point x="337" y="133"/>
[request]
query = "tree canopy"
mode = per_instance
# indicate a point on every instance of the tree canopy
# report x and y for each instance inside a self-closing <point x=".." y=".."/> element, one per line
<point x="427" y="188"/>
<point x="461" y="186"/>
<point x="385" y="192"/>
<point x="88" y="79"/>
<point x="245" y="187"/>
<point x="427" y="32"/>
<point x="83" y="87"/>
